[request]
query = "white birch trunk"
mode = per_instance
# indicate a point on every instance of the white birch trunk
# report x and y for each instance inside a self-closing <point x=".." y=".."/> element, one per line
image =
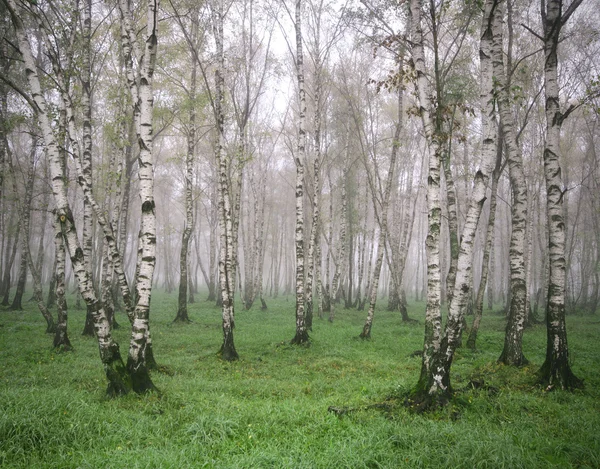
<point x="512" y="353"/>
<point x="301" y="336"/>
<point x="556" y="370"/>
<point x="225" y="218"/>
<point x="433" y="317"/>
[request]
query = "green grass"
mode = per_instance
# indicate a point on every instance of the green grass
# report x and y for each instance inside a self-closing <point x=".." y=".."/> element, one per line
<point x="270" y="409"/>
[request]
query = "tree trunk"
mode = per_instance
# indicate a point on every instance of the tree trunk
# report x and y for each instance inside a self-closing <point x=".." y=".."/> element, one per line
<point x="489" y="241"/>
<point x="381" y="215"/>
<point x="140" y="357"/>
<point x="512" y="353"/>
<point x="429" y="387"/>
<point x="182" y="313"/>
<point x="434" y="384"/>
<point x="61" y="337"/>
<point x="556" y="370"/>
<point x="226" y="254"/>
<point x="301" y="336"/>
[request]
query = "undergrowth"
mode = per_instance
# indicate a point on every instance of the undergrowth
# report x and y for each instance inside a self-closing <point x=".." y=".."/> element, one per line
<point x="338" y="403"/>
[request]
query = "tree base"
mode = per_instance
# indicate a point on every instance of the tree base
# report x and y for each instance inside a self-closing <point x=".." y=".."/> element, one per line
<point x="227" y="351"/>
<point x="88" y="328"/>
<point x="512" y="360"/>
<point x="421" y="401"/>
<point x="182" y="318"/>
<point x="150" y="360"/>
<point x="553" y="375"/>
<point x="119" y="382"/>
<point x="62" y="343"/>
<point x="140" y="379"/>
<point x="301" y="338"/>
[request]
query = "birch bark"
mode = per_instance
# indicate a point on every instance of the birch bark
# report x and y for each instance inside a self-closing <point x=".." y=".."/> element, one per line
<point x="512" y="353"/>
<point x="301" y="336"/>
<point x="61" y="337"/>
<point x="556" y="370"/>
<point x="225" y="216"/>
<point x="433" y="317"/>
<point x="182" y="313"/>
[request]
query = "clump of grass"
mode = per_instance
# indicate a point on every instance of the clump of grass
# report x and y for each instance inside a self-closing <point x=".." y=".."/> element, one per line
<point x="270" y="408"/>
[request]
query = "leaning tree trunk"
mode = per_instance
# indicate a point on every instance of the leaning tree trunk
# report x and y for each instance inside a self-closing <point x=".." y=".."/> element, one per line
<point x="487" y="250"/>
<point x="301" y="336"/>
<point x="118" y="382"/>
<point x="512" y="354"/>
<point x="556" y="370"/>
<point x="382" y="219"/>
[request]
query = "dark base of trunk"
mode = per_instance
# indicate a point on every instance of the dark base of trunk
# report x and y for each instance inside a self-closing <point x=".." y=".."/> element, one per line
<point x="511" y="359"/>
<point x="16" y="306"/>
<point x="119" y="382"/>
<point x="50" y="327"/>
<point x="472" y="340"/>
<point x="182" y="317"/>
<point x="421" y="399"/>
<point x="301" y="338"/>
<point x="227" y="351"/>
<point x="366" y="332"/>
<point x="558" y="375"/>
<point x="150" y="360"/>
<point x="140" y="379"/>
<point x="61" y="342"/>
<point x="263" y="304"/>
<point x="88" y="328"/>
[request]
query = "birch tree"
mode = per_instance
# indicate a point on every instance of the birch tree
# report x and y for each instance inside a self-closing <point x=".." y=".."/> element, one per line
<point x="301" y="336"/>
<point x="140" y="347"/>
<point x="556" y="370"/>
<point x="182" y="314"/>
<point x="512" y="353"/>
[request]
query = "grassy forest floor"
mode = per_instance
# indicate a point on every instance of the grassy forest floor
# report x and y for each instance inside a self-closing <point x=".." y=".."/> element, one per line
<point x="270" y="408"/>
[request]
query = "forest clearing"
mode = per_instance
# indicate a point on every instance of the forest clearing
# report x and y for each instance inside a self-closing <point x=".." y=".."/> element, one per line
<point x="269" y="409"/>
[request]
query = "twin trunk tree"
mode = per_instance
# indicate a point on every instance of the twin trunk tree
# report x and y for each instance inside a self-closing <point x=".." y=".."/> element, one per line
<point x="433" y="387"/>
